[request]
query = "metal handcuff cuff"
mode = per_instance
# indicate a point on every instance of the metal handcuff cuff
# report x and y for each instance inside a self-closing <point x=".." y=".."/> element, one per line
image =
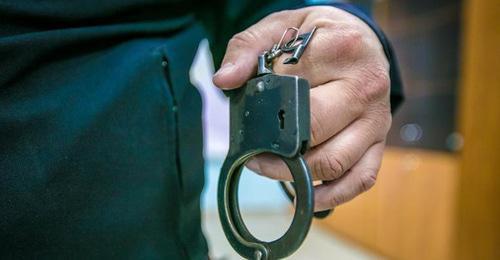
<point x="270" y="114"/>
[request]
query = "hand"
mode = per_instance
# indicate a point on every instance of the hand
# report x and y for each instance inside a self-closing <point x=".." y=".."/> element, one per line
<point x="350" y="112"/>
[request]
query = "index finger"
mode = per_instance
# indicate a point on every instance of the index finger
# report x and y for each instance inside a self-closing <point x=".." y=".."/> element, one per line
<point x="240" y="60"/>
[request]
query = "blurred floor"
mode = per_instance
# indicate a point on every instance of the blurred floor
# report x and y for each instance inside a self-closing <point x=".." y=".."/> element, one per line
<point x="318" y="245"/>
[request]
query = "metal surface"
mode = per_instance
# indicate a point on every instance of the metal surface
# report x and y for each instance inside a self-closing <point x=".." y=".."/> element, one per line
<point x="297" y="48"/>
<point x="269" y="114"/>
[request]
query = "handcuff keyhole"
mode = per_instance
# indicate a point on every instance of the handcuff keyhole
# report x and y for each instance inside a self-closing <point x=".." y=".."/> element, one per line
<point x="281" y="118"/>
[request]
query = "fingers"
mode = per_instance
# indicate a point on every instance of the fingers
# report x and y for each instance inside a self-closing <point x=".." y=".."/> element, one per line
<point x="334" y="49"/>
<point x="240" y="61"/>
<point x="330" y="54"/>
<point x="269" y="165"/>
<point x="339" y="46"/>
<point x="330" y="160"/>
<point x="333" y="106"/>
<point x="336" y="60"/>
<point x="358" y="180"/>
<point x="337" y="103"/>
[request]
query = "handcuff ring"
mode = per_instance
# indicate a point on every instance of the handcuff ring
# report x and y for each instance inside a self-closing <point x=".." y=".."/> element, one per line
<point x="238" y="234"/>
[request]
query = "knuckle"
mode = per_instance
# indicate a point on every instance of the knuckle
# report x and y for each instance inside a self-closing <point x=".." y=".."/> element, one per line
<point x="337" y="199"/>
<point x="351" y="41"/>
<point x="322" y="44"/>
<point x="316" y="129"/>
<point x="278" y="15"/>
<point x="368" y="179"/>
<point x="380" y="120"/>
<point x="337" y="39"/>
<point x="377" y="84"/>
<point x="353" y="38"/>
<point x="329" y="167"/>
<point x="323" y="22"/>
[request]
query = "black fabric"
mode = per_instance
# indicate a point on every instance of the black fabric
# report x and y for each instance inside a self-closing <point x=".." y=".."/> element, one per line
<point x="100" y="128"/>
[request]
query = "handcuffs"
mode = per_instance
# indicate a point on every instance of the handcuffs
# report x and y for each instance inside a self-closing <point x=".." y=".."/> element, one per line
<point x="270" y="114"/>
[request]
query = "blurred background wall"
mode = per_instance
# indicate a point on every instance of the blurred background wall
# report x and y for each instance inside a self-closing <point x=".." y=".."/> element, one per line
<point x="426" y="37"/>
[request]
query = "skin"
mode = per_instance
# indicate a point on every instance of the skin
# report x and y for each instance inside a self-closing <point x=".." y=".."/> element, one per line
<point x="350" y="110"/>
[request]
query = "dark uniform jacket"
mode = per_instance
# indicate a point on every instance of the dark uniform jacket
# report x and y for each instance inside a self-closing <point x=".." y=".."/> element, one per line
<point x="100" y="128"/>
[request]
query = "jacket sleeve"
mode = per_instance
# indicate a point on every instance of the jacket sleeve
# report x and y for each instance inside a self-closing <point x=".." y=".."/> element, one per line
<point x="224" y="19"/>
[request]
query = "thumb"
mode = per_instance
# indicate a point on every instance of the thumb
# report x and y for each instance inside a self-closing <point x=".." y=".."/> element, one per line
<point x="240" y="61"/>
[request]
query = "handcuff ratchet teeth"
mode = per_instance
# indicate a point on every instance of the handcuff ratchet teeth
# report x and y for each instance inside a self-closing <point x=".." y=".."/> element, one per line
<point x="269" y="114"/>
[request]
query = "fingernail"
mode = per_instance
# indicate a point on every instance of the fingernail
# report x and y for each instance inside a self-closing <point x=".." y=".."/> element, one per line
<point x="253" y="165"/>
<point x="226" y="68"/>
